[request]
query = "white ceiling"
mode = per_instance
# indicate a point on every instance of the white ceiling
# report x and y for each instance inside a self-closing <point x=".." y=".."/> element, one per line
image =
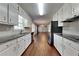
<point x="50" y="9"/>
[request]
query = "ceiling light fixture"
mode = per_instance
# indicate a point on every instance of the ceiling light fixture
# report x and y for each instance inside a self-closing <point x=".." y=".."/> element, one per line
<point x="41" y="8"/>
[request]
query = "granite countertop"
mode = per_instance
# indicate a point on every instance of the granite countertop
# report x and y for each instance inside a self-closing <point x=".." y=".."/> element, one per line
<point x="11" y="37"/>
<point x="73" y="38"/>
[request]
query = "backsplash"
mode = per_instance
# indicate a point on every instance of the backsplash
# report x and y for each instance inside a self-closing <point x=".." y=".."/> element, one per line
<point x="71" y="28"/>
<point x="6" y="27"/>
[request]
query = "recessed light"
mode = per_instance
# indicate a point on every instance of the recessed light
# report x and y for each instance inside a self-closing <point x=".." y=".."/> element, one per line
<point x="41" y="8"/>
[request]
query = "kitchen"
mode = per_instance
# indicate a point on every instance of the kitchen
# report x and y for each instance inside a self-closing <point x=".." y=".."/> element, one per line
<point x="68" y="43"/>
<point x="17" y="27"/>
<point x="13" y="30"/>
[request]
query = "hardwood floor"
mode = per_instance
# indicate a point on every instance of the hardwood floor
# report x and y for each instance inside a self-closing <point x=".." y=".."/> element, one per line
<point x="40" y="47"/>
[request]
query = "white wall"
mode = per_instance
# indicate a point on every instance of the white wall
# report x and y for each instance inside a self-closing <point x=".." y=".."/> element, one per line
<point x="71" y="28"/>
<point x="34" y="28"/>
<point x="43" y="28"/>
<point x="49" y="27"/>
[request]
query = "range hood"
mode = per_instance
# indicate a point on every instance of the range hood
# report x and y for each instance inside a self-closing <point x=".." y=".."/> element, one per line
<point x="75" y="18"/>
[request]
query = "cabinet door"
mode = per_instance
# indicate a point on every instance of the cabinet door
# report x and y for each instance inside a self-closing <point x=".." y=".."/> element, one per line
<point x="60" y="17"/>
<point x="11" y="51"/>
<point x="55" y="40"/>
<point x="75" y="9"/>
<point x="69" y="51"/>
<point x="21" y="45"/>
<point x="55" y="17"/>
<point x="58" y="43"/>
<point x="67" y="11"/>
<point x="69" y="48"/>
<point x="21" y="11"/>
<point x="13" y="14"/>
<point x="3" y="13"/>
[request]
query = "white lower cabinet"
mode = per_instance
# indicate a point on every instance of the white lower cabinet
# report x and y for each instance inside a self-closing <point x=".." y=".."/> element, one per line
<point x="13" y="14"/>
<point x="65" y="47"/>
<point x="9" y="48"/>
<point x="9" y="13"/>
<point x="58" y="43"/>
<point x="15" y="47"/>
<point x="23" y="43"/>
<point x="11" y="51"/>
<point x="69" y="51"/>
<point x="69" y="48"/>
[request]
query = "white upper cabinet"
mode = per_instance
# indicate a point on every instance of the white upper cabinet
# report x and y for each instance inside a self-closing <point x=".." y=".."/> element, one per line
<point x="60" y="17"/>
<point x="58" y="40"/>
<point x="13" y="14"/>
<point x="68" y="50"/>
<point x="21" y="11"/>
<point x="55" y="17"/>
<point x="64" y="13"/>
<point x="67" y="11"/>
<point x="75" y="9"/>
<point x="26" y="18"/>
<point x="3" y="13"/>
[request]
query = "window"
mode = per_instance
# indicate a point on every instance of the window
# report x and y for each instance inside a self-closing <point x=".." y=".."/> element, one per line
<point x="20" y="23"/>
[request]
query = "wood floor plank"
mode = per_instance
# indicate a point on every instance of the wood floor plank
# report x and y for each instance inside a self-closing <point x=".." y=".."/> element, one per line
<point x="40" y="47"/>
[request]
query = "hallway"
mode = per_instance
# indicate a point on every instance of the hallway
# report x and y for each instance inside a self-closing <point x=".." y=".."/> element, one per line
<point x="40" y="47"/>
